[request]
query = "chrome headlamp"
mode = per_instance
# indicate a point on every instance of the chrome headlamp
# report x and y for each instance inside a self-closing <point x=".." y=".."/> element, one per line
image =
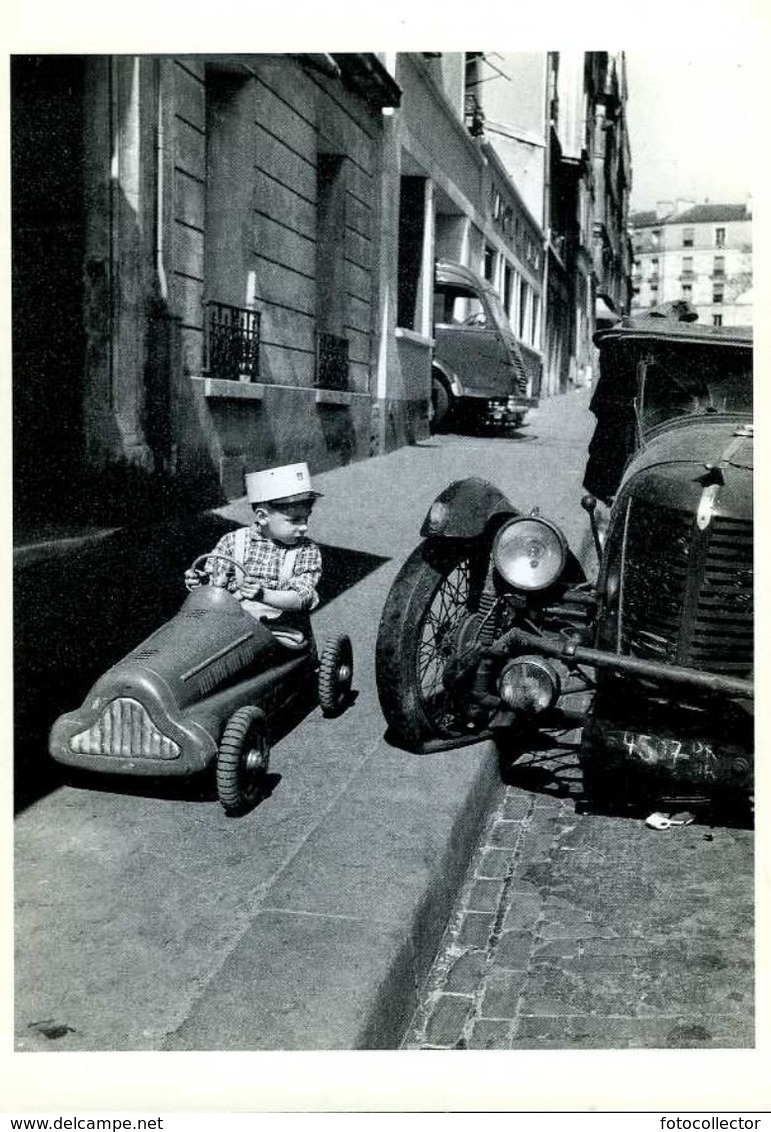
<point x="529" y="553"/>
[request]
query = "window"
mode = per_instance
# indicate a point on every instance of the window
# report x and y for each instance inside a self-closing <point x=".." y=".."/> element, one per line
<point x="717" y="320"/>
<point x="719" y="239"/>
<point x="534" y="321"/>
<point x="717" y="294"/>
<point x="508" y="283"/>
<point x="718" y="267"/>
<point x="687" y="290"/>
<point x="231" y="328"/>
<point x="489" y="268"/>
<point x="687" y="269"/>
<point x="524" y="304"/>
<point x="655" y="237"/>
<point x="687" y="237"/>
<point x="332" y="344"/>
<point x="412" y="219"/>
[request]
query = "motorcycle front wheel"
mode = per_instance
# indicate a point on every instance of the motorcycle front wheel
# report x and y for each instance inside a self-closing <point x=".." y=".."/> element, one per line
<point x="421" y="628"/>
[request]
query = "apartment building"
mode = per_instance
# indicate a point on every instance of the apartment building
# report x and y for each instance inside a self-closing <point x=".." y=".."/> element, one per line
<point x="446" y="196"/>
<point x="698" y="252"/>
<point x="557" y="121"/>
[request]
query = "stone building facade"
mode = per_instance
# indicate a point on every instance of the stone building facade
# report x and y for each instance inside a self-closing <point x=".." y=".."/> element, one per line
<point x="446" y="196"/>
<point x="557" y="121"/>
<point x="197" y="245"/>
<point x="223" y="262"/>
<point x="698" y="252"/>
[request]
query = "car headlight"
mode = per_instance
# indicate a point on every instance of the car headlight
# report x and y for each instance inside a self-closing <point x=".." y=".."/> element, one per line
<point x="529" y="553"/>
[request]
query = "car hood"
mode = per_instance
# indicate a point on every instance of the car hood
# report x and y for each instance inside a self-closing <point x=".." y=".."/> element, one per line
<point x="684" y="464"/>
<point x="705" y="441"/>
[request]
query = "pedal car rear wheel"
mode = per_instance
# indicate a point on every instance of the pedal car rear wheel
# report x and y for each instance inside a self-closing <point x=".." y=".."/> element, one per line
<point x="242" y="761"/>
<point x="335" y="674"/>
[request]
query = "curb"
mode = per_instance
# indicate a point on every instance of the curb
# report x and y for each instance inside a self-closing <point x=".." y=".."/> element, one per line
<point x="306" y="974"/>
<point x="400" y="990"/>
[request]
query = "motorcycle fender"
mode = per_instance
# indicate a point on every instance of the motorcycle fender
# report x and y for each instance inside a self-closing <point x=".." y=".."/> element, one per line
<point x="464" y="509"/>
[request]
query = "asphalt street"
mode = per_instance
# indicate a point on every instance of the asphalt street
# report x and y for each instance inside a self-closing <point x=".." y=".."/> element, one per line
<point x="146" y="919"/>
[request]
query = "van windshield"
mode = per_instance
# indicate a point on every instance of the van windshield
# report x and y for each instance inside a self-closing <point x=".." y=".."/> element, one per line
<point x="458" y="306"/>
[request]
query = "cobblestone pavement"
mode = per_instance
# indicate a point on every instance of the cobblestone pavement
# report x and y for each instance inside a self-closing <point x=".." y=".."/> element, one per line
<point x="577" y="931"/>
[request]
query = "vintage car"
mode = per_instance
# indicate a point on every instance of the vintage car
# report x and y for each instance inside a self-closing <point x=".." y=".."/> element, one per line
<point x="209" y="687"/>
<point x="491" y="622"/>
<point x="479" y="376"/>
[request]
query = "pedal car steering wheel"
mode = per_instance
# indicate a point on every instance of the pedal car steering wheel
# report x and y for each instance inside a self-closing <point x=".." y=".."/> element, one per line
<point x="221" y="558"/>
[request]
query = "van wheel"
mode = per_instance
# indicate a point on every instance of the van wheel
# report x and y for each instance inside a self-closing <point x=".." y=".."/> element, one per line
<point x="242" y="760"/>
<point x="440" y="405"/>
<point x="335" y="675"/>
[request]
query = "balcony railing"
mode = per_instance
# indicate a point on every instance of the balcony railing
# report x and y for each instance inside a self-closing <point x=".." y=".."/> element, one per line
<point x="231" y="342"/>
<point x="331" y="361"/>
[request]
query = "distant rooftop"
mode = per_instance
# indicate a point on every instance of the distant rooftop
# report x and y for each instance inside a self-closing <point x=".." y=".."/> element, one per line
<point x="643" y="219"/>
<point x="694" y="214"/>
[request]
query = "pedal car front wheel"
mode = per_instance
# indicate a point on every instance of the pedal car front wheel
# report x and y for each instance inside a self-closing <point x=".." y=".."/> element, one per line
<point x="335" y="674"/>
<point x="242" y="761"/>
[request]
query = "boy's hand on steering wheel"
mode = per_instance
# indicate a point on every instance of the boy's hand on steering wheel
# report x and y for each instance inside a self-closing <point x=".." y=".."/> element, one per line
<point x="194" y="578"/>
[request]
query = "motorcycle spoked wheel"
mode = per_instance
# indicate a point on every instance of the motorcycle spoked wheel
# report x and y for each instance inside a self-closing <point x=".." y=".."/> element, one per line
<point x="423" y="618"/>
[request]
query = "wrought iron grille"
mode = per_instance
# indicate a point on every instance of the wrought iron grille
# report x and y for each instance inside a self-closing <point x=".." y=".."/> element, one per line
<point x="231" y="342"/>
<point x="331" y="361"/>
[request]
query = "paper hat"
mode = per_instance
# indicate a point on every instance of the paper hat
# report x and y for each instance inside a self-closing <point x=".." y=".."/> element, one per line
<point x="292" y="481"/>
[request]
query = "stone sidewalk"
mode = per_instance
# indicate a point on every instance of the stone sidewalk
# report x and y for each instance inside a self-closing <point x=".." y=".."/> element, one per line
<point x="578" y="931"/>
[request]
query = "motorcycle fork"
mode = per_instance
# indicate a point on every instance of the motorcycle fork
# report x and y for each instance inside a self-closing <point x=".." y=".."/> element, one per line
<point x="487" y="634"/>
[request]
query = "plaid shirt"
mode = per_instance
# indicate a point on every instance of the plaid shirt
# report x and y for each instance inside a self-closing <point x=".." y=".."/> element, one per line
<point x="263" y="561"/>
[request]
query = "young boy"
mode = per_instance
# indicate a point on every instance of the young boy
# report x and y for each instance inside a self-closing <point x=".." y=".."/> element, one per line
<point x="282" y="566"/>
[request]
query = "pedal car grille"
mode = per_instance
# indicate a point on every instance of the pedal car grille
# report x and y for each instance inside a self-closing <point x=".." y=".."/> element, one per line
<point x="688" y="594"/>
<point x="125" y="730"/>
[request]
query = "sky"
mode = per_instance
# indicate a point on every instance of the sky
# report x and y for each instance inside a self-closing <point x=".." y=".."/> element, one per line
<point x="690" y="127"/>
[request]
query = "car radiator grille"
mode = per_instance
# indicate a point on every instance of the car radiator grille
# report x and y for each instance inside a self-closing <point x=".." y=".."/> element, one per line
<point x="688" y="594"/>
<point x="125" y="730"/>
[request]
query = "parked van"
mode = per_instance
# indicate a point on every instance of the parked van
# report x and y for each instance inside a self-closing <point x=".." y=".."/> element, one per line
<point x="478" y="371"/>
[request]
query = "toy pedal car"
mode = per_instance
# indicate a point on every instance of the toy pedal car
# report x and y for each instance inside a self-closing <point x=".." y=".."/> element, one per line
<point x="202" y="689"/>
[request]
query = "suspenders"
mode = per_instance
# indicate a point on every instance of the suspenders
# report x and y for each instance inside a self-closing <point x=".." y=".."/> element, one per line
<point x="239" y="549"/>
<point x="287" y="566"/>
<point x="258" y="608"/>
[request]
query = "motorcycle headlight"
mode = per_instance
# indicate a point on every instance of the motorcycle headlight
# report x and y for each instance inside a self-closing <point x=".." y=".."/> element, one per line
<point x="529" y="553"/>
